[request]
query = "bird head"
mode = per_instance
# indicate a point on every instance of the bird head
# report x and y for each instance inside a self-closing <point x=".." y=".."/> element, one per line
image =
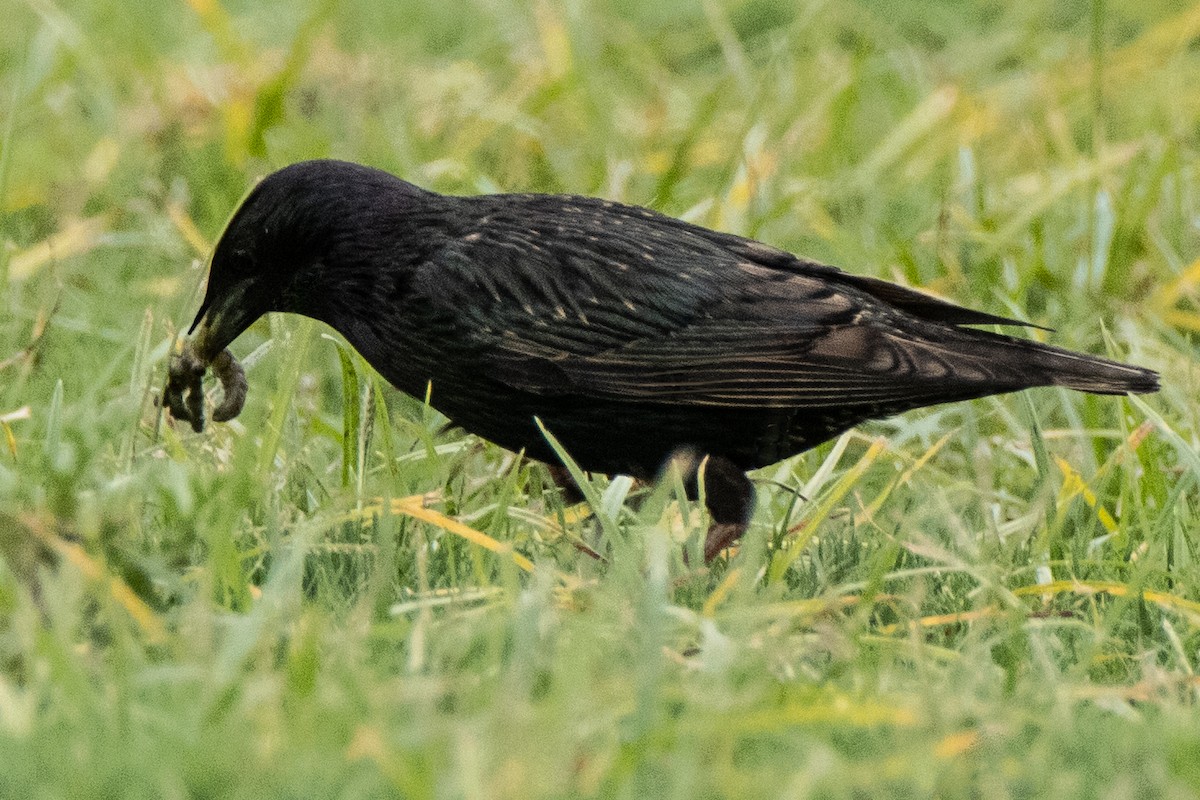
<point x="289" y="247"/>
<point x="282" y="245"/>
<point x="250" y="266"/>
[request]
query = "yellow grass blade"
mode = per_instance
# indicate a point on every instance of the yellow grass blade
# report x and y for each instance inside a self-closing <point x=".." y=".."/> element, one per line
<point x="554" y="38"/>
<point x="220" y="26"/>
<point x="1074" y="486"/>
<point x="808" y="526"/>
<point x="956" y="744"/>
<point x="938" y="620"/>
<point x="841" y="709"/>
<point x="721" y="592"/>
<point x="1148" y="52"/>
<point x="93" y="570"/>
<point x="1189" y="609"/>
<point x="873" y="507"/>
<point x="187" y="228"/>
<point x="928" y="117"/>
<point x="414" y="506"/>
<point x="22" y="413"/>
<point x="1185" y="283"/>
<point x="1178" y="318"/>
<point x="75" y="238"/>
<point x="793" y="609"/>
<point x="575" y="514"/>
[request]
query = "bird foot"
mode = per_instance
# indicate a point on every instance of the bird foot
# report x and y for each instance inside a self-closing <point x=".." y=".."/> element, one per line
<point x="729" y="495"/>
<point x="720" y="536"/>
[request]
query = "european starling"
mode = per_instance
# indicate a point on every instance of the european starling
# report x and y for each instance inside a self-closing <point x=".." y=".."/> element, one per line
<point x="630" y="334"/>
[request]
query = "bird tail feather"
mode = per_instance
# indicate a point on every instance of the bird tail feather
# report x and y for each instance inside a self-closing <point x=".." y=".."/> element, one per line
<point x="1040" y="364"/>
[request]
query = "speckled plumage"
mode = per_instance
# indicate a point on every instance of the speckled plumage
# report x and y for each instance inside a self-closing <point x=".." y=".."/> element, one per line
<point x="630" y="334"/>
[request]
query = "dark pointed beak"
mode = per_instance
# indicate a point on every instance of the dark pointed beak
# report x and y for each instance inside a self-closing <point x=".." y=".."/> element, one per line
<point x="222" y="317"/>
<point x="226" y="312"/>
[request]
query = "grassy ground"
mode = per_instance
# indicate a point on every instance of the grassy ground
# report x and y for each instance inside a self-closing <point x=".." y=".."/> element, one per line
<point x="992" y="599"/>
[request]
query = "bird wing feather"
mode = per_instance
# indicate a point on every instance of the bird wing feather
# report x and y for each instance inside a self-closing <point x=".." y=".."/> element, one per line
<point x="655" y="310"/>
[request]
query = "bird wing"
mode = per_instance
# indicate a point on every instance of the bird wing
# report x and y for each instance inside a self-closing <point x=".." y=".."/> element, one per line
<point x="593" y="299"/>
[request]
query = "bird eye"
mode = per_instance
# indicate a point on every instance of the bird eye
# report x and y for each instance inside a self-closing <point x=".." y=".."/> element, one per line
<point x="234" y="264"/>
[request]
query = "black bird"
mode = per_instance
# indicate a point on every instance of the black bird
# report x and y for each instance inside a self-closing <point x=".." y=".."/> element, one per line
<point x="630" y="334"/>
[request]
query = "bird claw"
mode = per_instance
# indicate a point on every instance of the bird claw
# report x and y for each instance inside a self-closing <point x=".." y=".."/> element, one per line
<point x="184" y="394"/>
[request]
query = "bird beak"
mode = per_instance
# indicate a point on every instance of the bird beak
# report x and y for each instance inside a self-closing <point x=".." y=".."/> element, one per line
<point x="224" y="314"/>
<point x="222" y="319"/>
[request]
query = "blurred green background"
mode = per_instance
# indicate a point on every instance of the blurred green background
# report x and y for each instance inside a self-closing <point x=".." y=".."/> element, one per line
<point x="335" y="596"/>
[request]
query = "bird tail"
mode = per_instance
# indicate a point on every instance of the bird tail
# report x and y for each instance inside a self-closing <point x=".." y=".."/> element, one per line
<point x="1040" y="364"/>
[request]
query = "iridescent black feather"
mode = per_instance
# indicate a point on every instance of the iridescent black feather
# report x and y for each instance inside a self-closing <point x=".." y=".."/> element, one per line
<point x="630" y="334"/>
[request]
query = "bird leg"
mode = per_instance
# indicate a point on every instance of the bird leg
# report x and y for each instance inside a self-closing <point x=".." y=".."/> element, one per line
<point x="565" y="483"/>
<point x="729" y="496"/>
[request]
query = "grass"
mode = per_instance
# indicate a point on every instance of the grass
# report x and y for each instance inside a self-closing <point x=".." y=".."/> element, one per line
<point x="335" y="596"/>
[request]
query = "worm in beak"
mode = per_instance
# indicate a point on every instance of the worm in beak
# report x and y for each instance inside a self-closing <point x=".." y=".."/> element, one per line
<point x="184" y="393"/>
